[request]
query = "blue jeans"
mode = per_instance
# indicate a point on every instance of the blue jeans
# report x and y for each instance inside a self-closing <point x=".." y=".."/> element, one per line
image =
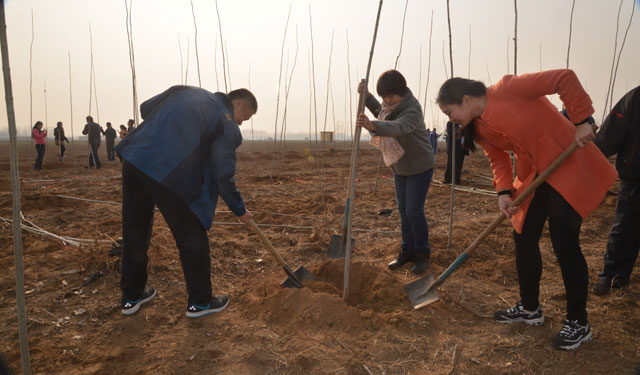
<point x="411" y="194"/>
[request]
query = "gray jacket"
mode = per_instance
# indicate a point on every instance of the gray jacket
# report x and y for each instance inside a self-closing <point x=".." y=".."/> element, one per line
<point x="406" y="124"/>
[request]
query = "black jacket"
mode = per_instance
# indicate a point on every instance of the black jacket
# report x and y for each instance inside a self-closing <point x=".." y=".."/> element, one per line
<point x="110" y="135"/>
<point x="620" y="134"/>
<point x="94" y="130"/>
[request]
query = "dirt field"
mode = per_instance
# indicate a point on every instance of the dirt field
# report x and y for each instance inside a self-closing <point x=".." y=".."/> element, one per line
<point x="72" y="294"/>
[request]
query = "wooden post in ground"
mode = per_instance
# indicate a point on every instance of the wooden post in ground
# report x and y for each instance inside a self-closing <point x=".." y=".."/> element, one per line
<point x="15" y="186"/>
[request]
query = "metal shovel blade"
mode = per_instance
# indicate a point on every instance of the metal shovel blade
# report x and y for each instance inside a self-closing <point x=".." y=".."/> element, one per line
<point x="301" y="274"/>
<point x="338" y="246"/>
<point x="422" y="292"/>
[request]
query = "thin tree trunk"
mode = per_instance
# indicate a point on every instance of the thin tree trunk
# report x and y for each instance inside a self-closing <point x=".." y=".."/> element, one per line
<point x="132" y="61"/>
<point x="573" y="5"/>
<point x="181" y="61"/>
<point x="70" y="99"/>
<point x="25" y="358"/>
<point x="228" y="66"/>
<point x="444" y="61"/>
<point x="90" y="70"/>
<point x="404" y="16"/>
<point x="326" y="107"/>
<point x="315" y="105"/>
<point x="287" y="88"/>
<point x="424" y="105"/>
<point x="354" y="160"/>
<point x="349" y="80"/>
<point x="186" y="71"/>
<point x="469" y="64"/>
<point x="515" y="39"/>
<point x="624" y="39"/>
<point x="613" y="62"/>
<point x="195" y="40"/>
<point x="488" y="74"/>
<point x="508" y="61"/>
<point x="33" y="36"/>
<point x="215" y="63"/>
<point x="224" y="63"/>
<point x="450" y="41"/>
<point x="275" y="123"/>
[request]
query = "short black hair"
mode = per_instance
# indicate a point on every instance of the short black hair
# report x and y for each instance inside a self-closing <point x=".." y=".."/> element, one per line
<point x="108" y="124"/>
<point x="453" y="89"/>
<point x="59" y="123"/>
<point x="246" y="96"/>
<point x="89" y="119"/>
<point x="391" y="82"/>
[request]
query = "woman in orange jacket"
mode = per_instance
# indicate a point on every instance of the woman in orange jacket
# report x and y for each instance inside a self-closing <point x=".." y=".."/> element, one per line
<point x="514" y="115"/>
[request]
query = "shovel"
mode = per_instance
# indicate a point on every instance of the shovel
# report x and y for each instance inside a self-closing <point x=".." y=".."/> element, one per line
<point x="424" y="291"/>
<point x="295" y="277"/>
<point x="338" y="245"/>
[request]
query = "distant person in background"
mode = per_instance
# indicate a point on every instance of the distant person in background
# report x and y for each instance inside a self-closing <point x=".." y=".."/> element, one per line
<point x="58" y="134"/>
<point x="40" y="138"/>
<point x="460" y="153"/>
<point x="131" y="125"/>
<point x="399" y="119"/>
<point x="110" y="138"/>
<point x="94" y="131"/>
<point x="433" y="138"/>
<point x="620" y="134"/>
<point x="123" y="131"/>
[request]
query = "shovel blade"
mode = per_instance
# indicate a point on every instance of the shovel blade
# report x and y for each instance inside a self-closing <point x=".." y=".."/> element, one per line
<point x="301" y="274"/>
<point x="422" y="292"/>
<point x="338" y="246"/>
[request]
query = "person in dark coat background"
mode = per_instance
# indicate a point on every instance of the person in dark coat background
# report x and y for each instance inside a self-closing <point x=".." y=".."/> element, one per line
<point x="110" y="138"/>
<point x="182" y="157"/>
<point x="460" y="154"/>
<point x="93" y="130"/>
<point x="620" y="134"/>
<point x="58" y="135"/>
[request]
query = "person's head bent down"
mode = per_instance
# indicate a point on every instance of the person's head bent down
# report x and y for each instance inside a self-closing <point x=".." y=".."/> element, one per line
<point x="391" y="87"/>
<point x="462" y="100"/>
<point x="244" y="105"/>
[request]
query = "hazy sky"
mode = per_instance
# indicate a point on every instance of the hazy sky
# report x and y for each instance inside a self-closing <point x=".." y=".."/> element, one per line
<point x="253" y="33"/>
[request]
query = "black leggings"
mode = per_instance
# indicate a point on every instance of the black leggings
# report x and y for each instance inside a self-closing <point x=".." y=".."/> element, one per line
<point x="564" y="229"/>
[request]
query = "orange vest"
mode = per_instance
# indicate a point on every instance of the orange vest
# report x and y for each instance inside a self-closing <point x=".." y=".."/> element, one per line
<point x="519" y="118"/>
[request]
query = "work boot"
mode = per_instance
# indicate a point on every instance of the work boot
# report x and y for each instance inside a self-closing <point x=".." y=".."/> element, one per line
<point x="404" y="257"/>
<point x="605" y="283"/>
<point x="420" y="262"/>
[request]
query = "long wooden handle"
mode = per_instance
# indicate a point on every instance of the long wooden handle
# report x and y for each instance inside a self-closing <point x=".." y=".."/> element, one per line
<point x="525" y="193"/>
<point x="266" y="241"/>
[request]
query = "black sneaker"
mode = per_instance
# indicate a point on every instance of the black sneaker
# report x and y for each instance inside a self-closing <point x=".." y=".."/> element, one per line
<point x="216" y="304"/>
<point x="403" y="257"/>
<point x="571" y="335"/>
<point x="519" y="314"/>
<point x="420" y="263"/>
<point x="132" y="306"/>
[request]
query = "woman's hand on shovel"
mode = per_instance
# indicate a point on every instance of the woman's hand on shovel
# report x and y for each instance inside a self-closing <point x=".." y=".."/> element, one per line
<point x="504" y="203"/>
<point x="246" y="217"/>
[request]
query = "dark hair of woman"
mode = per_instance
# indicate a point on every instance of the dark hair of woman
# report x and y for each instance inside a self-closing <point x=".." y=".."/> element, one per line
<point x="451" y="92"/>
<point x="391" y="82"/>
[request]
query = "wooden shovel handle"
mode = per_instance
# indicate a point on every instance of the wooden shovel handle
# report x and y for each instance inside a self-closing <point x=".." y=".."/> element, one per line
<point x="519" y="199"/>
<point x="266" y="241"/>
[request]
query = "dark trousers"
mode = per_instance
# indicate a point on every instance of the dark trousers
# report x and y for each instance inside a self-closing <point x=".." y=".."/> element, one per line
<point x="140" y="194"/>
<point x="110" y="153"/>
<point x="624" y="238"/>
<point x="61" y="149"/>
<point x="411" y="194"/>
<point x="564" y="229"/>
<point x="40" y="150"/>
<point x="460" y="153"/>
<point x="93" y="153"/>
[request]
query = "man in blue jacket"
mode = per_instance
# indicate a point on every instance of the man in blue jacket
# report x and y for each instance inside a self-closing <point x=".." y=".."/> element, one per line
<point x="182" y="157"/>
<point x="620" y="134"/>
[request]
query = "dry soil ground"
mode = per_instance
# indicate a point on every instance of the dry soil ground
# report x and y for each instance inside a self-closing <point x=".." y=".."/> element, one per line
<point x="72" y="294"/>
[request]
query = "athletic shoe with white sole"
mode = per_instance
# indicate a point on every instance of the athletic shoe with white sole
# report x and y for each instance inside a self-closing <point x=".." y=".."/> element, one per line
<point x="131" y="306"/>
<point x="519" y="314"/>
<point x="572" y="335"/>
<point x="216" y="304"/>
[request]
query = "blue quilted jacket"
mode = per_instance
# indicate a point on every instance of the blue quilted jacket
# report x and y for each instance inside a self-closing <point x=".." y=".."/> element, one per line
<point x="187" y="142"/>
